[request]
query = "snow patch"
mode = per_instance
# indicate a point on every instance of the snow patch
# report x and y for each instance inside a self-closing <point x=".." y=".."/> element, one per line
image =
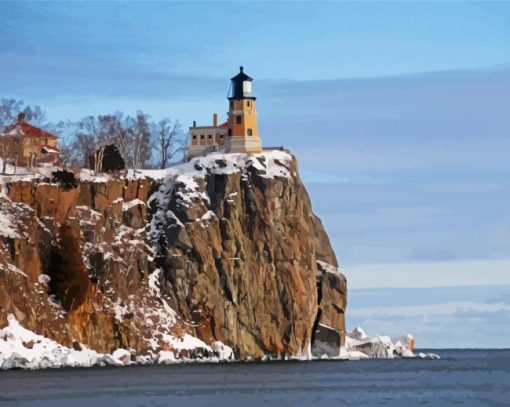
<point x="44" y="279"/>
<point x="358" y="345"/>
<point x="22" y="348"/>
<point x="223" y="351"/>
<point x="12" y="268"/>
<point x="184" y="184"/>
<point x="128" y="205"/>
<point x="8" y="226"/>
<point x="123" y="355"/>
<point x="187" y="342"/>
<point x="328" y="268"/>
<point x="165" y="357"/>
<point x="88" y="175"/>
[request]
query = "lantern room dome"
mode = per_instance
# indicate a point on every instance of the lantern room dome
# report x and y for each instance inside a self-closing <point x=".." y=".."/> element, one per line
<point x="241" y="76"/>
<point x="241" y="86"/>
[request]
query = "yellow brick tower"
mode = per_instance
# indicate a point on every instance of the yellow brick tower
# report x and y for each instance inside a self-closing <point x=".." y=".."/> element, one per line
<point x="243" y="133"/>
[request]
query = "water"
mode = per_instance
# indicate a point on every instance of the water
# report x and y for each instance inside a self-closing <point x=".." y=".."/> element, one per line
<point x="467" y="377"/>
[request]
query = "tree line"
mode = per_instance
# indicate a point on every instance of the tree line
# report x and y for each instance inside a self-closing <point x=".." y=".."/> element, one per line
<point x="140" y="141"/>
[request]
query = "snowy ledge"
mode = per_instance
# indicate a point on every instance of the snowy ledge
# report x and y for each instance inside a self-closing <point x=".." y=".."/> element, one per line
<point x="8" y="227"/>
<point x="270" y="164"/>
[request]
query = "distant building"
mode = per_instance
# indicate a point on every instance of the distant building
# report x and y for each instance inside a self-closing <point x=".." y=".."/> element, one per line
<point x="28" y="145"/>
<point x="239" y="134"/>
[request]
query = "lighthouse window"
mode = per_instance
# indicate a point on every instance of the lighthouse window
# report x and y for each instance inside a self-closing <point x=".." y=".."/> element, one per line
<point x="246" y="87"/>
<point x="250" y="132"/>
<point x="239" y="119"/>
<point x="248" y="103"/>
<point x="231" y="104"/>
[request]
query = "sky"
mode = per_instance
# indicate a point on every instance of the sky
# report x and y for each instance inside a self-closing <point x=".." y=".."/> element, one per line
<point x="396" y="111"/>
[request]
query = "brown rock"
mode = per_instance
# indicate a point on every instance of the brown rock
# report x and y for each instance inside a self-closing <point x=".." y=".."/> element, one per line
<point x="247" y="263"/>
<point x="236" y="258"/>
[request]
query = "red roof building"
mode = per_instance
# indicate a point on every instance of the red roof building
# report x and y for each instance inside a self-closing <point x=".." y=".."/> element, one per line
<point x="29" y="145"/>
<point x="28" y="130"/>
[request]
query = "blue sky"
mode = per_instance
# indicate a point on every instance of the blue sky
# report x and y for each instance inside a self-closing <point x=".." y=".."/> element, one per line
<point x="397" y="112"/>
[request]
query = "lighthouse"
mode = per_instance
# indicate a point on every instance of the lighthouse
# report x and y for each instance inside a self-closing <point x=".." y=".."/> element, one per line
<point x="242" y="116"/>
<point x="239" y="133"/>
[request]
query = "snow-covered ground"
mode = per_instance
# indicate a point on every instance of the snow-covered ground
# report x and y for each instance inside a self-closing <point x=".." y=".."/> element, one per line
<point x="10" y="170"/>
<point x="23" y="174"/>
<point x="21" y="348"/>
<point x="269" y="162"/>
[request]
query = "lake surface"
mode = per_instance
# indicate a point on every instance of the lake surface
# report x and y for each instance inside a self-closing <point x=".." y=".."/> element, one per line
<point x="466" y="377"/>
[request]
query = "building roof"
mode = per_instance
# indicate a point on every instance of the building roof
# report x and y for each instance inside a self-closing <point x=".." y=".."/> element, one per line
<point x="29" y="130"/>
<point x="221" y="126"/>
<point x="51" y="150"/>
<point x="241" y="76"/>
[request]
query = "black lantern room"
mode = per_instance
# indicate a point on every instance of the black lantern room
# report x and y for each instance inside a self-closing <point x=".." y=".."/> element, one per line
<point x="241" y="86"/>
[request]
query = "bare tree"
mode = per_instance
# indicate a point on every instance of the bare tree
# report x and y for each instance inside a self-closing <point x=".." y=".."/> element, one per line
<point x="67" y="143"/>
<point x="134" y="137"/>
<point x="36" y="116"/>
<point x="141" y="152"/>
<point x="90" y="141"/>
<point x="166" y="141"/>
<point x="122" y="133"/>
<point x="5" y="154"/>
<point x="10" y="108"/>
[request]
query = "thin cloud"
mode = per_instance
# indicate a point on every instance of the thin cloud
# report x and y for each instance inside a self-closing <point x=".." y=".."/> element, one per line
<point x="429" y="274"/>
<point x="460" y="316"/>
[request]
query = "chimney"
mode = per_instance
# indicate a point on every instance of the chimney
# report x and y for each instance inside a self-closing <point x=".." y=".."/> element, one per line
<point x="194" y="123"/>
<point x="22" y="118"/>
<point x="215" y="119"/>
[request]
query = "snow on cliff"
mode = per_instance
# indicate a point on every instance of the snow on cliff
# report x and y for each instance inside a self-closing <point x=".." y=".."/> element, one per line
<point x="358" y="345"/>
<point x="21" y="348"/>
<point x="7" y="227"/>
<point x="269" y="164"/>
<point x="273" y="163"/>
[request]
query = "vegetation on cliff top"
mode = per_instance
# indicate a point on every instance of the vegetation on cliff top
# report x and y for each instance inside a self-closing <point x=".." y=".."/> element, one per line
<point x="141" y="142"/>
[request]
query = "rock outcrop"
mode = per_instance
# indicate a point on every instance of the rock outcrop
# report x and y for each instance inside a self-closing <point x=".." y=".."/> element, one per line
<point x="224" y="248"/>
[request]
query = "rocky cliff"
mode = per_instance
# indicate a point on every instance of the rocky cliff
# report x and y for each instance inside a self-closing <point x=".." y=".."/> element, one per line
<point x="224" y="248"/>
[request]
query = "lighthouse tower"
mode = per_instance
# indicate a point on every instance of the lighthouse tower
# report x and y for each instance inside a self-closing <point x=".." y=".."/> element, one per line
<point x="239" y="134"/>
<point x="243" y="133"/>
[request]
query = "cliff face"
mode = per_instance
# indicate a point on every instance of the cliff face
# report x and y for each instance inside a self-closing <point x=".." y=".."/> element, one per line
<point x="224" y="248"/>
